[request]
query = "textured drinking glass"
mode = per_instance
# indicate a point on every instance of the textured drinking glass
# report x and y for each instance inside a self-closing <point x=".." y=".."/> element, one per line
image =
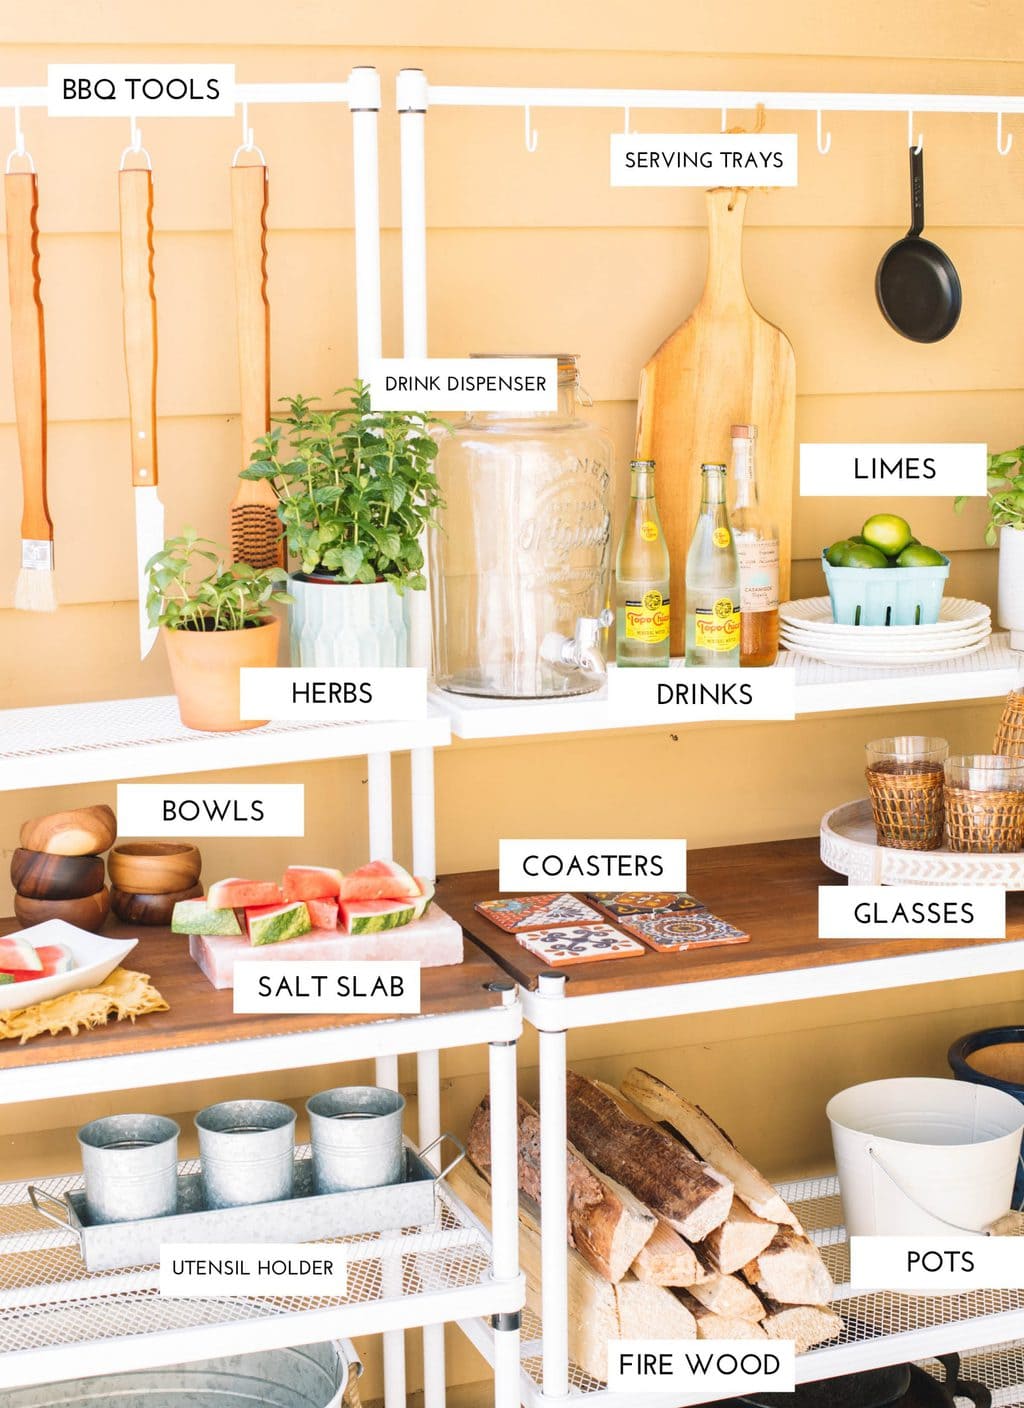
<point x="247" y="1152"/>
<point x="130" y="1164"/>
<point x="356" y="1134"/>
<point x="905" y="784"/>
<point x="985" y="802"/>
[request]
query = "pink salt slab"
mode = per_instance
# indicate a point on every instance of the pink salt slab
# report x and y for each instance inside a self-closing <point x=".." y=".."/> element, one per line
<point x="435" y="941"/>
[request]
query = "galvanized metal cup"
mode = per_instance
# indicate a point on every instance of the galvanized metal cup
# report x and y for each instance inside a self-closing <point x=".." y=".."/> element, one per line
<point x="130" y="1164"/>
<point x="247" y="1152"/>
<point x="356" y="1134"/>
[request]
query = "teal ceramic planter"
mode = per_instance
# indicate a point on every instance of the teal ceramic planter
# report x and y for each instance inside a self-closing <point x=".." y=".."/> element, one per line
<point x="334" y="624"/>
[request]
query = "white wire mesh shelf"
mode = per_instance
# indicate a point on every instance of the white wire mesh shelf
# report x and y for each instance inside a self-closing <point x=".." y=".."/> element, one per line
<point x="124" y="738"/>
<point x="58" y="1321"/>
<point x="820" y="688"/>
<point x="882" y="1327"/>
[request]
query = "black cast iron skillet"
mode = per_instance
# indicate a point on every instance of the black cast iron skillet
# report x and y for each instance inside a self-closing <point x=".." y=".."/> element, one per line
<point x="899" y="1386"/>
<point x="917" y="287"/>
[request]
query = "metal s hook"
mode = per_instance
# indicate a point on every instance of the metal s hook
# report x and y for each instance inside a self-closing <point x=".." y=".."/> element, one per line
<point x="1003" y="148"/>
<point x="135" y="147"/>
<point x="18" y="151"/>
<point x="824" y="147"/>
<point x="529" y="133"/>
<point x="247" y="143"/>
<point x="910" y="135"/>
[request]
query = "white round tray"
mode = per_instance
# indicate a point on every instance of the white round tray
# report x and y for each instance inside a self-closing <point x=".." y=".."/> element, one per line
<point x="848" y="847"/>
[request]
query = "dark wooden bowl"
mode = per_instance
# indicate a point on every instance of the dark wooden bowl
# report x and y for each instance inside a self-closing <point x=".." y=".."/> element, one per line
<point x="88" y="913"/>
<point x="149" y="909"/>
<point x="39" y="876"/>
<point x="153" y="867"/>
<point x="85" y="831"/>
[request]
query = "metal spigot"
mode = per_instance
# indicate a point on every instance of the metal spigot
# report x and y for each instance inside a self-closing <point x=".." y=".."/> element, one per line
<point x="580" y="651"/>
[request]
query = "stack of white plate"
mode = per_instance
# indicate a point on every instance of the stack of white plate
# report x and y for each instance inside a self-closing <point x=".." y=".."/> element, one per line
<point x="807" y="627"/>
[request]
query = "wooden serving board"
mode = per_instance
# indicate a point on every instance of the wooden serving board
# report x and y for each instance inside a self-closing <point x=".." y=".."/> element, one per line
<point x="725" y="365"/>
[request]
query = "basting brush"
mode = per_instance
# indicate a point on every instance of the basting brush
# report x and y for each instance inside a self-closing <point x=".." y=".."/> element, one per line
<point x="34" y="590"/>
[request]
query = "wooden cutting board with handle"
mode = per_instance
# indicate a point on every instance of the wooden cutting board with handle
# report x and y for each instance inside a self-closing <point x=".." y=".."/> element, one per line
<point x="725" y="365"/>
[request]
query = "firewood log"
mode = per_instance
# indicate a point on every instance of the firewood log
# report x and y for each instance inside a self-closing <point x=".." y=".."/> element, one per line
<point x="719" y="1327"/>
<point x="668" y="1260"/>
<point x="598" y="1310"/>
<point x="729" y="1297"/>
<point x="790" y="1270"/>
<point x="607" y="1225"/>
<point x="710" y="1142"/>
<point x="691" y="1197"/>
<point x="806" y="1325"/>
<point x="741" y="1237"/>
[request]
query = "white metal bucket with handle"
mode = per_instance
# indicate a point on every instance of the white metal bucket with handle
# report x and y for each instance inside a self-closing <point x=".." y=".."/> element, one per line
<point x="919" y="1156"/>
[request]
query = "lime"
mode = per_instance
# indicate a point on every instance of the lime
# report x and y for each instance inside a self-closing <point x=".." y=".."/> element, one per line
<point x="864" y="555"/>
<point x="857" y="538"/>
<point x="888" y="533"/>
<point x="917" y="555"/>
<point x="836" y="554"/>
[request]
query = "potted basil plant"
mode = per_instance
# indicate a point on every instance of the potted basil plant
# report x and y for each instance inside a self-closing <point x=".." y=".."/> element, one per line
<point x="214" y="616"/>
<point x="356" y="491"/>
<point x="1006" y="527"/>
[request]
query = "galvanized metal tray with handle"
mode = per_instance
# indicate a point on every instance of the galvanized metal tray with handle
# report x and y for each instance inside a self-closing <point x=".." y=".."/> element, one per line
<point x="305" y="1217"/>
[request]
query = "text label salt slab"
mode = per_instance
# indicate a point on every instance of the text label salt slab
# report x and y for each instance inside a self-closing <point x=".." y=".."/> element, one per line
<point x="705" y="1366"/>
<point x="333" y="987"/>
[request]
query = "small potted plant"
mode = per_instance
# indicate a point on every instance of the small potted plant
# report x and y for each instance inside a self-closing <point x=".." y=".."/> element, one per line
<point x="1006" y="527"/>
<point x="356" y="491"/>
<point x="214" y="616"/>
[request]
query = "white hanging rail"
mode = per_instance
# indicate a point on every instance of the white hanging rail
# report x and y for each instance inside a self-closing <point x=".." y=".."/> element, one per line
<point x="361" y="92"/>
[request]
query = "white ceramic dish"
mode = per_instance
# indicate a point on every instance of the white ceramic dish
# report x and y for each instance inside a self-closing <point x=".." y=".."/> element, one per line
<point x="815" y="613"/>
<point x="883" y="659"/>
<point x="95" y="959"/>
<point x="900" y="646"/>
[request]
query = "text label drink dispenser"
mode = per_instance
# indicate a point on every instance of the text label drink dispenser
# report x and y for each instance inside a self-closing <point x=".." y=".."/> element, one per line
<point x="520" y="564"/>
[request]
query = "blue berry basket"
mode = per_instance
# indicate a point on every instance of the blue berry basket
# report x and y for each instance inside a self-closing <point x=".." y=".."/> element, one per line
<point x="880" y="596"/>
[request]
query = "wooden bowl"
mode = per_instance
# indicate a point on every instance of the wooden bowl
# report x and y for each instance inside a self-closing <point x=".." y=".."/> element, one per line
<point x="38" y="876"/>
<point x="147" y="910"/>
<point x="83" y="832"/>
<point x="88" y="913"/>
<point x="154" y="867"/>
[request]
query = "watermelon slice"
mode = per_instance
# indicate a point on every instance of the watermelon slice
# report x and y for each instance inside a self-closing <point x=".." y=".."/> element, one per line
<point x="426" y="895"/>
<point x="380" y="880"/>
<point x="18" y="955"/>
<point x="323" y="914"/>
<point x="374" y="916"/>
<point x="311" y="882"/>
<point x="200" y="917"/>
<point x="273" y="923"/>
<point x="242" y="894"/>
<point x="55" y="959"/>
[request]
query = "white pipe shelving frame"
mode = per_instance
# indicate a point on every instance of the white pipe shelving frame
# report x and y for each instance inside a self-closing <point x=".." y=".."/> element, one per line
<point x="551" y="1010"/>
<point x="167" y="753"/>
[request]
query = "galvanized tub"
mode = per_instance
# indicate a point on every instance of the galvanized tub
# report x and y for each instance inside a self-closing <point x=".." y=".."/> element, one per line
<point x="314" y="1376"/>
<point x="356" y="1135"/>
<point x="130" y="1164"/>
<point x="305" y="1217"/>
<point x="246" y="1152"/>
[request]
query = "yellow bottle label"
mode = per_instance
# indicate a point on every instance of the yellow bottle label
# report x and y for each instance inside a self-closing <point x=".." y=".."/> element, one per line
<point x="720" y="538"/>
<point x="649" y="530"/>
<point x="647" y="619"/>
<point x="718" y="626"/>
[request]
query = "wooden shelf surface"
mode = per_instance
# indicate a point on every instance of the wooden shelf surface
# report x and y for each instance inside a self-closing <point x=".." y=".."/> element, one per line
<point x="770" y="889"/>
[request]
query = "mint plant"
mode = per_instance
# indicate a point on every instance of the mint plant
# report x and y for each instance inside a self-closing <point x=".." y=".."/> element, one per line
<point x="193" y="586"/>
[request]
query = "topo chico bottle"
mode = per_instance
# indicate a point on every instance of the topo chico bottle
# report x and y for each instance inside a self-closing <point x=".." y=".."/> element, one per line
<point x="712" y="579"/>
<point x="642" y="577"/>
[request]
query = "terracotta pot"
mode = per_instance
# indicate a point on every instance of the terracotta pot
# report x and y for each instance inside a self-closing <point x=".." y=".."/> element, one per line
<point x="205" y="666"/>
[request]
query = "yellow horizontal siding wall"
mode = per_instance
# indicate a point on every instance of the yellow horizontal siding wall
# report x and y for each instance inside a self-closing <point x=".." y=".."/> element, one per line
<point x="527" y="252"/>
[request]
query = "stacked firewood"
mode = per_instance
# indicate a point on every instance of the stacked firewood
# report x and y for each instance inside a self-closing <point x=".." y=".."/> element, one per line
<point x="673" y="1234"/>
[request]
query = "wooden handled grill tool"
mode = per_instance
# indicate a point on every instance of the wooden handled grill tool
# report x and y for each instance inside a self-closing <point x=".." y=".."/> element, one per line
<point x="256" y="535"/>
<point x="34" y="590"/>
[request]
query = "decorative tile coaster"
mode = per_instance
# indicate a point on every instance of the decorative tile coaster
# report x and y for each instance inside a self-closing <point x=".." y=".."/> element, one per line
<point x="578" y="943"/>
<point x="537" y="911"/>
<point x="671" y="933"/>
<point x="644" y="902"/>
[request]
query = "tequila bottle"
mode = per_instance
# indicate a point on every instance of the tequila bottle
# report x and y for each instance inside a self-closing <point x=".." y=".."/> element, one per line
<point x="642" y="577"/>
<point x="712" y="579"/>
